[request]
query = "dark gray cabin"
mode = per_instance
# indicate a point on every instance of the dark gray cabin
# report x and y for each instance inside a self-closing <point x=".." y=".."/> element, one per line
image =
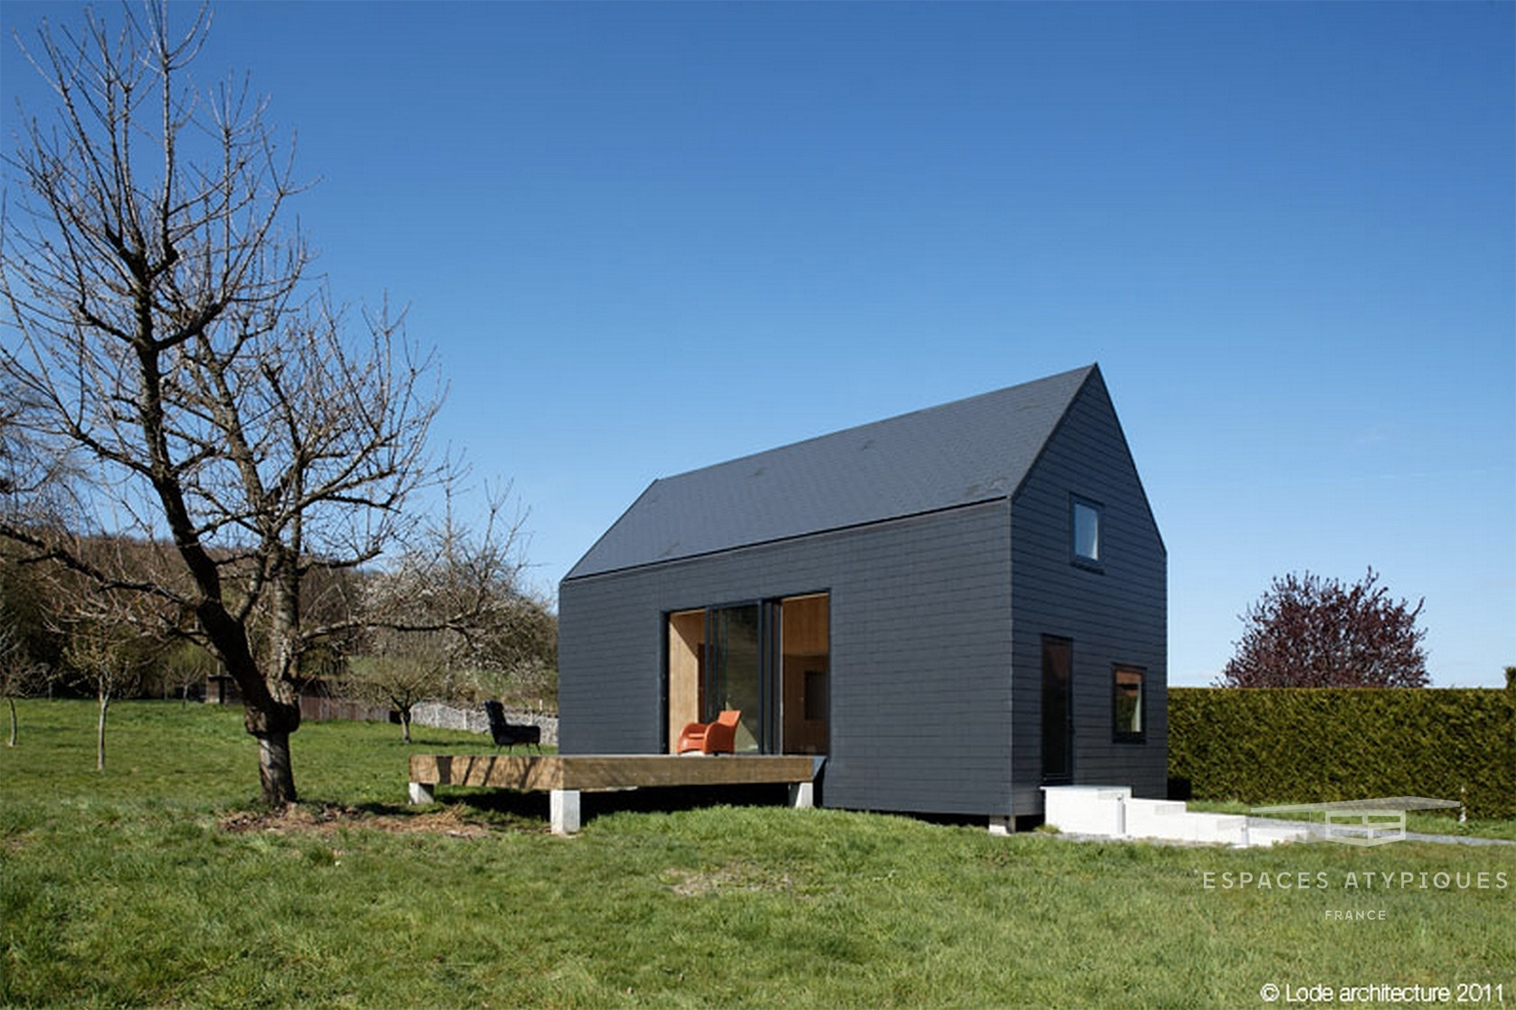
<point x="956" y="606"/>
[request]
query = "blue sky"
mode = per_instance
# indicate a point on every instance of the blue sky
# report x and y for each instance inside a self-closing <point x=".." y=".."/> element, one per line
<point x="649" y="237"/>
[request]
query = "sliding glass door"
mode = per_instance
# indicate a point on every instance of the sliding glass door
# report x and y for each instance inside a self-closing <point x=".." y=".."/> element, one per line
<point x="735" y="675"/>
<point x="769" y="659"/>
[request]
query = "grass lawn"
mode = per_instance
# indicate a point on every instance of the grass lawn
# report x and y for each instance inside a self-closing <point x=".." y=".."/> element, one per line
<point x="158" y="882"/>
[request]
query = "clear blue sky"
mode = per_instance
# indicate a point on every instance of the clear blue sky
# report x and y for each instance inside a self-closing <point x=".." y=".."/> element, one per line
<point x="649" y="237"/>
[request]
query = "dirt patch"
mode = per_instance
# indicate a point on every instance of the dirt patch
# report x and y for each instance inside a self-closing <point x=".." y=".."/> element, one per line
<point x="327" y="819"/>
<point x="736" y="877"/>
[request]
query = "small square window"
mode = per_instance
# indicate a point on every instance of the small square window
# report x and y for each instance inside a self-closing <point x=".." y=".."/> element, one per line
<point x="1086" y="531"/>
<point x="1127" y="704"/>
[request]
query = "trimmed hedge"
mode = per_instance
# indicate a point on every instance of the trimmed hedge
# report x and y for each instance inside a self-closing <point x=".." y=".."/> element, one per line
<point x="1309" y="745"/>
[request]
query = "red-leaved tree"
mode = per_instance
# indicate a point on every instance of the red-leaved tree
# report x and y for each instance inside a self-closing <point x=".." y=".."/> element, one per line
<point x="1307" y="631"/>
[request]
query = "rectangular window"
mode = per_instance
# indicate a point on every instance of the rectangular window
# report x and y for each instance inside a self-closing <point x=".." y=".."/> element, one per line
<point x="1086" y="532"/>
<point x="1127" y="703"/>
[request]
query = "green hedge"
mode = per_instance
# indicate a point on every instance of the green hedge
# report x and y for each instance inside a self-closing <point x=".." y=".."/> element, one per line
<point x="1308" y="745"/>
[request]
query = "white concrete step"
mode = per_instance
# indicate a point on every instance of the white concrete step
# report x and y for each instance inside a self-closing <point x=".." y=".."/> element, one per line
<point x="1112" y="812"/>
<point x="1220" y="829"/>
<point x="1155" y="818"/>
<point x="1087" y="810"/>
<point x="1260" y="835"/>
<point x="1169" y="820"/>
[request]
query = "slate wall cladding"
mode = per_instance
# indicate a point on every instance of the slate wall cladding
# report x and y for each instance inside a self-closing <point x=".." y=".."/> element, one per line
<point x="1117" y="614"/>
<point x="920" y="678"/>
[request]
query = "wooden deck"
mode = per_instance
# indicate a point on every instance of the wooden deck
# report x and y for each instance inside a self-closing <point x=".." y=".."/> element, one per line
<point x="565" y="776"/>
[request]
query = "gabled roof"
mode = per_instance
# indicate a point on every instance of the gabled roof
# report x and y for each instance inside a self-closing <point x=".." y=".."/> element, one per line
<point x="960" y="453"/>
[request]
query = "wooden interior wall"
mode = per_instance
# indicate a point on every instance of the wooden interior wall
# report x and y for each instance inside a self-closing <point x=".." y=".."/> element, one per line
<point x="686" y="649"/>
<point x="805" y="625"/>
<point x="806" y="637"/>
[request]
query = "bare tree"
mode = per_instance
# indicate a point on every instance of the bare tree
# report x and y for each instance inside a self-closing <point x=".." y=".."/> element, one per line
<point x="448" y="605"/>
<point x="184" y="667"/>
<point x="162" y="335"/>
<point x="402" y="673"/>
<point x="29" y="646"/>
<point x="19" y="673"/>
<point x="113" y="658"/>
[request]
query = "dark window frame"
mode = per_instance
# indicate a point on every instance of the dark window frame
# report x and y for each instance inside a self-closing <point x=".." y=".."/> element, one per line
<point x="1090" y="562"/>
<point x="1120" y="734"/>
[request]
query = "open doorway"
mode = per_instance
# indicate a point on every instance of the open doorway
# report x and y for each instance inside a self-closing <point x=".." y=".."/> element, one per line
<point x="771" y="659"/>
<point x="805" y="638"/>
<point x="686" y="673"/>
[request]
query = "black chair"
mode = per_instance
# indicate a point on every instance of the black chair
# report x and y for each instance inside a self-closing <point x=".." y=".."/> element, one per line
<point x="509" y="734"/>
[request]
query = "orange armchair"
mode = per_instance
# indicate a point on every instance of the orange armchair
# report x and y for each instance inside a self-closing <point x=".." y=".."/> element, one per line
<point x="719" y="737"/>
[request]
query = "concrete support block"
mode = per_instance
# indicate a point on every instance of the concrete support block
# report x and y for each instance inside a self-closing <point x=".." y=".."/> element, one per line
<point x="422" y="793"/>
<point x="563" y="806"/>
<point x="802" y="795"/>
<point x="1001" y="827"/>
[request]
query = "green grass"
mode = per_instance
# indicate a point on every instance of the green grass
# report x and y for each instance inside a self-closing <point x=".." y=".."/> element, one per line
<point x="128" y="887"/>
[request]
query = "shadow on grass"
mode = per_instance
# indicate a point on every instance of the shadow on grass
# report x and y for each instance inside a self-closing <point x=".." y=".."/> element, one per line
<point x="509" y="805"/>
<point x="431" y="741"/>
<point x="532" y="808"/>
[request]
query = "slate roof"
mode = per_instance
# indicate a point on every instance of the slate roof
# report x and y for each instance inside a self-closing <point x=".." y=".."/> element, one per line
<point x="960" y="453"/>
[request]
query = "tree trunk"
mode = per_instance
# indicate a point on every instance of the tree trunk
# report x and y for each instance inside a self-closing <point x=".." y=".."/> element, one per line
<point x="405" y="723"/>
<point x="274" y="769"/>
<point x="271" y="713"/>
<point x="280" y="699"/>
<point x="105" y="704"/>
<point x="12" y="703"/>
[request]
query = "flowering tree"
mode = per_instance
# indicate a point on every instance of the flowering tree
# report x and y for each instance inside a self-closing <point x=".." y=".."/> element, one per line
<point x="1307" y="631"/>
